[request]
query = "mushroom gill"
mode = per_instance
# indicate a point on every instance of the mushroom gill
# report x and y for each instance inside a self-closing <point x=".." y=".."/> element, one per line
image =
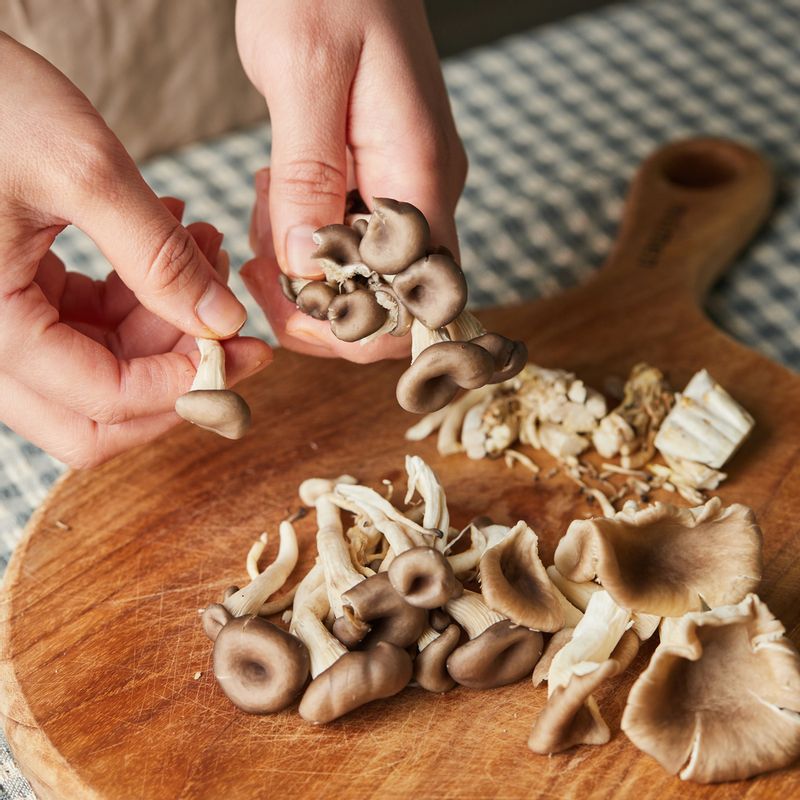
<point x="667" y="560"/>
<point x="720" y="700"/>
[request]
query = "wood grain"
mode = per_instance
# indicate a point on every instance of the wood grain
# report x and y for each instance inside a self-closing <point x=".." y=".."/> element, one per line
<point x="99" y="636"/>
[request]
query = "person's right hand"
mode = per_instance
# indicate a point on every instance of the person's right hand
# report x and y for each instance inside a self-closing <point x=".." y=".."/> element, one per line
<point x="90" y="368"/>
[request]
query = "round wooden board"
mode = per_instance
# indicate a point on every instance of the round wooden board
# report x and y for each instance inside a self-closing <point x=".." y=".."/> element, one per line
<point x="100" y="643"/>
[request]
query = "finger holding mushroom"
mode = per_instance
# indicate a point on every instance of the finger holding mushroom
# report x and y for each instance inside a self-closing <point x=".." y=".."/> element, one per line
<point x="208" y="403"/>
<point x="720" y="699"/>
<point x="666" y="560"/>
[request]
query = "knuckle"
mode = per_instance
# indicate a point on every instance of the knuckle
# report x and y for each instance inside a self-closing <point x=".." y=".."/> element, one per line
<point x="175" y="264"/>
<point x="84" y="454"/>
<point x="95" y="166"/>
<point x="310" y="181"/>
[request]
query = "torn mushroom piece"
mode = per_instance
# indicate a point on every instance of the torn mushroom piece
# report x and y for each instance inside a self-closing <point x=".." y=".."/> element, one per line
<point x="666" y="560"/>
<point x="720" y="699"/>
<point x="208" y="404"/>
<point x="498" y="652"/>
<point x="430" y="665"/>
<point x="397" y="235"/>
<point x="433" y="289"/>
<point x="514" y="583"/>
<point x="571" y="715"/>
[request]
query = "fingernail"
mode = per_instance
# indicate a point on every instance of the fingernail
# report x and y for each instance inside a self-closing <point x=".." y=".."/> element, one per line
<point x="220" y="311"/>
<point x="299" y="247"/>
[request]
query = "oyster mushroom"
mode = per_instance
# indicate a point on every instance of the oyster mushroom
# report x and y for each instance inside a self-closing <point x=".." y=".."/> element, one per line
<point x="397" y="235"/>
<point x="430" y="665"/>
<point x="433" y="289"/>
<point x="423" y="577"/>
<point x="356" y="315"/>
<point x="260" y="667"/>
<point x="509" y="356"/>
<point x="666" y="560"/>
<point x="315" y="299"/>
<point x="514" y="583"/>
<point x="498" y="652"/>
<point x="399" y="319"/>
<point x="354" y="680"/>
<point x="720" y="699"/>
<point x="208" y="404"/>
<point x="337" y="246"/>
<point x="555" y="643"/>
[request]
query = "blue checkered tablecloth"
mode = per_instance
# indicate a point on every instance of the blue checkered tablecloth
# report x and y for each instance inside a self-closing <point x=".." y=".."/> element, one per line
<point x="555" y="120"/>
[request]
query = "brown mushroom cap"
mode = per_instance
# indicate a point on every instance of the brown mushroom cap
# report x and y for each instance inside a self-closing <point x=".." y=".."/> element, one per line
<point x="423" y="577"/>
<point x="355" y="679"/>
<point x="626" y="650"/>
<point x="349" y="629"/>
<point x="434" y="378"/>
<point x="439" y="619"/>
<point x="720" y="699"/>
<point x="219" y="410"/>
<point x="509" y="356"/>
<point x="404" y="317"/>
<point x="515" y="583"/>
<point x="215" y="617"/>
<point x="433" y="289"/>
<point x="315" y="298"/>
<point x="285" y="282"/>
<point x="397" y="235"/>
<point x="355" y="315"/>
<point x="360" y="226"/>
<point x="554" y="644"/>
<point x="260" y="667"/>
<point x="504" y="653"/>
<point x="391" y="618"/>
<point x="430" y="667"/>
<point x="337" y="243"/>
<point x="570" y="716"/>
<point x="664" y="560"/>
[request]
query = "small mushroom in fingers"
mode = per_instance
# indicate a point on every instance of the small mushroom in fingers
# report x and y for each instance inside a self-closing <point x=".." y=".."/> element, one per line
<point x="433" y="289"/>
<point x="430" y="666"/>
<point x="509" y="356"/>
<point x="355" y="315"/>
<point x="423" y="577"/>
<point x="397" y="235"/>
<point x="354" y="680"/>
<point x="260" y="667"/>
<point x="315" y="298"/>
<point x="337" y="245"/>
<point x="208" y="403"/>
<point x="437" y="373"/>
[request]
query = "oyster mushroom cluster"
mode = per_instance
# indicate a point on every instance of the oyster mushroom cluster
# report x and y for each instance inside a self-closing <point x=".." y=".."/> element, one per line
<point x="383" y="275"/>
<point x="398" y="596"/>
<point x="695" y="432"/>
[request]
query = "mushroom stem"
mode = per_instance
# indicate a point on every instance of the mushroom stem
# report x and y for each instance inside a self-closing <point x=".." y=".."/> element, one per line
<point x="422" y="479"/>
<point x="211" y="369"/>
<point x="250" y="599"/>
<point x="472" y="613"/>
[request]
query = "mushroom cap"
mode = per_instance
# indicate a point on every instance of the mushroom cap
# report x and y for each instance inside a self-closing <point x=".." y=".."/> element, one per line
<point x="515" y="583"/>
<point x="404" y="317"/>
<point x="509" y="356"/>
<point x="720" y="699"/>
<point x="349" y="629"/>
<point x="355" y="679"/>
<point x="666" y="560"/>
<point x="504" y="653"/>
<point x="435" y="376"/>
<point x="554" y="644"/>
<point x="215" y="617"/>
<point x="219" y="410"/>
<point x="285" y="282"/>
<point x="391" y="618"/>
<point x="360" y="226"/>
<point x="397" y="235"/>
<point x="337" y="243"/>
<point x="260" y="667"/>
<point x="355" y="315"/>
<point x="439" y="619"/>
<point x="423" y="577"/>
<point x="433" y="289"/>
<point x="570" y="716"/>
<point x="315" y="298"/>
<point x="430" y="666"/>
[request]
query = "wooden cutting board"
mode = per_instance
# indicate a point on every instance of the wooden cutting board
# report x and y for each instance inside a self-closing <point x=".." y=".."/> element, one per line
<point x="99" y="635"/>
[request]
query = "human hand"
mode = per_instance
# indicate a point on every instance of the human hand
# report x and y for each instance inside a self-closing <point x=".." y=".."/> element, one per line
<point x="90" y="368"/>
<point x="345" y="81"/>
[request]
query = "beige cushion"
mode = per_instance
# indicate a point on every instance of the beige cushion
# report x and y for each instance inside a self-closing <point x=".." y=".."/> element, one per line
<point x="161" y="72"/>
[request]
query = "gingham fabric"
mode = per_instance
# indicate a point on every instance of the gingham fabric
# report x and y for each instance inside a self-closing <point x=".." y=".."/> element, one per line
<point x="555" y="120"/>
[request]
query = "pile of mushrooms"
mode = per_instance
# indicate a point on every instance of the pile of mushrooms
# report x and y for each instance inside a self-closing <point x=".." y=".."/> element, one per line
<point x="382" y="275"/>
<point x="695" y="432"/>
<point x="398" y="596"/>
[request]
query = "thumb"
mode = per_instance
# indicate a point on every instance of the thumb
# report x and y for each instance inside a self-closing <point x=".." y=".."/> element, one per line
<point x="153" y="253"/>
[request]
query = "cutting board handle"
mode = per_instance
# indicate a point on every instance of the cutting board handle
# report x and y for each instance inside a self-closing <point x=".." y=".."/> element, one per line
<point x="691" y="207"/>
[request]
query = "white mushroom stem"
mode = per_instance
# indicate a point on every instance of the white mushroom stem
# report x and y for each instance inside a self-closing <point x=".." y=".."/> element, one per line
<point x="310" y="608"/>
<point x="255" y="552"/>
<point x="422" y="479"/>
<point x="465" y="327"/>
<point x="427" y="425"/>
<point x="448" y="441"/>
<point x="468" y="560"/>
<point x="593" y="641"/>
<point x="427" y="636"/>
<point x="472" y="613"/>
<point x="211" y="369"/>
<point x="250" y="599"/>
